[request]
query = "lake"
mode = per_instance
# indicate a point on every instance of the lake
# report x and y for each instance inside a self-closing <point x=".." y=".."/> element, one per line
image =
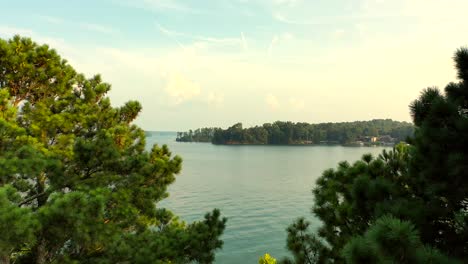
<point x="260" y="189"/>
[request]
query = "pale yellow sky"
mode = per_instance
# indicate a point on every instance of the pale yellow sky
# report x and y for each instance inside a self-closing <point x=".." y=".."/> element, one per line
<point x="194" y="65"/>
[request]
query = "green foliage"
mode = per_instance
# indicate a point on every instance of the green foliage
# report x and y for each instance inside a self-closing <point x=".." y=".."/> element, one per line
<point x="305" y="246"/>
<point x="199" y="135"/>
<point x="440" y="164"/>
<point x="391" y="240"/>
<point x="267" y="259"/>
<point x="76" y="184"/>
<point x="174" y="242"/>
<point x="408" y="205"/>
<point x="303" y="133"/>
<point x="17" y="225"/>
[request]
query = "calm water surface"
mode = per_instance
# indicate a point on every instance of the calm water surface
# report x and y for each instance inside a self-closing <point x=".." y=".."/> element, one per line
<point x="260" y="189"/>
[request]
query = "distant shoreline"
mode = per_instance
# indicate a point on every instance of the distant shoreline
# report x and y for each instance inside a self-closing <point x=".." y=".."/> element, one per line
<point x="296" y="144"/>
<point x="380" y="132"/>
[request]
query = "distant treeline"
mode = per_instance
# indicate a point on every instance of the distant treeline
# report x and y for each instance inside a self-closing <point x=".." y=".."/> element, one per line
<point x="285" y="133"/>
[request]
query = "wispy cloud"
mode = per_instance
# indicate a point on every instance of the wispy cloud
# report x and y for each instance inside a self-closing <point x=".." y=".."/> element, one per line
<point x="277" y="39"/>
<point x="316" y="21"/>
<point x="234" y="41"/>
<point x="244" y="42"/>
<point x="169" y="4"/>
<point x="300" y="73"/>
<point x="228" y="41"/>
<point x="287" y="2"/>
<point x="180" y="88"/>
<point x="167" y="31"/>
<point x="272" y="102"/>
<point x="8" y="31"/>
<point x="273" y="42"/>
<point x="51" y="19"/>
<point x="87" y="26"/>
<point x="283" y="19"/>
<point x="296" y="104"/>
<point x="59" y="44"/>
<point x="98" y="28"/>
<point x="337" y="34"/>
<point x="330" y="20"/>
<point x="160" y="5"/>
<point x="215" y="99"/>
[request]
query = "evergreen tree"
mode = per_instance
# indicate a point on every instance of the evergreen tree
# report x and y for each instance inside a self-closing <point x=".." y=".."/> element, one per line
<point x="409" y="205"/>
<point x="391" y="240"/>
<point x="439" y="166"/>
<point x="76" y="183"/>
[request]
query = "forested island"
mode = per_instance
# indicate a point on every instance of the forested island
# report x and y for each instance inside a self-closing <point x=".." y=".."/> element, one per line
<point x="357" y="133"/>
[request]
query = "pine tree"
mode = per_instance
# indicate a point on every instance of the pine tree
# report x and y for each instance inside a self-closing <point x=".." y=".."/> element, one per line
<point x="439" y="167"/>
<point x="76" y="183"/>
<point x="409" y="205"/>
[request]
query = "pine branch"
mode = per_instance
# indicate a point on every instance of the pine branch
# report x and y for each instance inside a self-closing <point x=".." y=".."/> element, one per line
<point x="32" y="198"/>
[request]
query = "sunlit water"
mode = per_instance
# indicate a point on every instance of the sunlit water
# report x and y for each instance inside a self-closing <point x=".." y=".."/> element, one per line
<point x="260" y="189"/>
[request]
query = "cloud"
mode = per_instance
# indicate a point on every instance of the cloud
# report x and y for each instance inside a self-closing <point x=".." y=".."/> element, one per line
<point x="7" y="31"/>
<point x="232" y="41"/>
<point x="286" y="20"/>
<point x="52" y="20"/>
<point x="215" y="99"/>
<point x="10" y="31"/>
<point x="167" y="31"/>
<point x="213" y="40"/>
<point x="273" y="42"/>
<point x="298" y="65"/>
<point x="364" y="15"/>
<point x="244" y="41"/>
<point x="287" y="2"/>
<point x="337" y="34"/>
<point x="435" y="10"/>
<point x="56" y="43"/>
<point x="180" y="88"/>
<point x="272" y="102"/>
<point x="278" y="38"/>
<point x="98" y="28"/>
<point x="320" y="20"/>
<point x="161" y="5"/>
<point x="296" y="104"/>
<point x="361" y="29"/>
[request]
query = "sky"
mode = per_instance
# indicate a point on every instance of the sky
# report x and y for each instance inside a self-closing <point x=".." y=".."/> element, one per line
<point x="194" y="63"/>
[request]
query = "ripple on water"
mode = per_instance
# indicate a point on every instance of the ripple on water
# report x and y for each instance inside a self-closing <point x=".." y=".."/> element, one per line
<point x="261" y="189"/>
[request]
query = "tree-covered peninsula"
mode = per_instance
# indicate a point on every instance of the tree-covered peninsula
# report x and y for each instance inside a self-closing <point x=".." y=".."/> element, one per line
<point x="77" y="184"/>
<point x="374" y="132"/>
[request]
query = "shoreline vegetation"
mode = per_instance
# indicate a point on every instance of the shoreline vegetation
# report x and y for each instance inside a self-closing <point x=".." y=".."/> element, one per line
<point x="376" y="132"/>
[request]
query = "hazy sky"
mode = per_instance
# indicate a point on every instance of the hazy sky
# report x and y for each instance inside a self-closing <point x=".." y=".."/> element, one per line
<point x="199" y="63"/>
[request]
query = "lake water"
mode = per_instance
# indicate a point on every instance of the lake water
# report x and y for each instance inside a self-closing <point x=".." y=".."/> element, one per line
<point x="260" y="189"/>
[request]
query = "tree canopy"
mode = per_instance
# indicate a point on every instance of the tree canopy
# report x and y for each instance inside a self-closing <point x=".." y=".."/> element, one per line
<point x="408" y="205"/>
<point x="197" y="135"/>
<point x="303" y="133"/>
<point x="76" y="183"/>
